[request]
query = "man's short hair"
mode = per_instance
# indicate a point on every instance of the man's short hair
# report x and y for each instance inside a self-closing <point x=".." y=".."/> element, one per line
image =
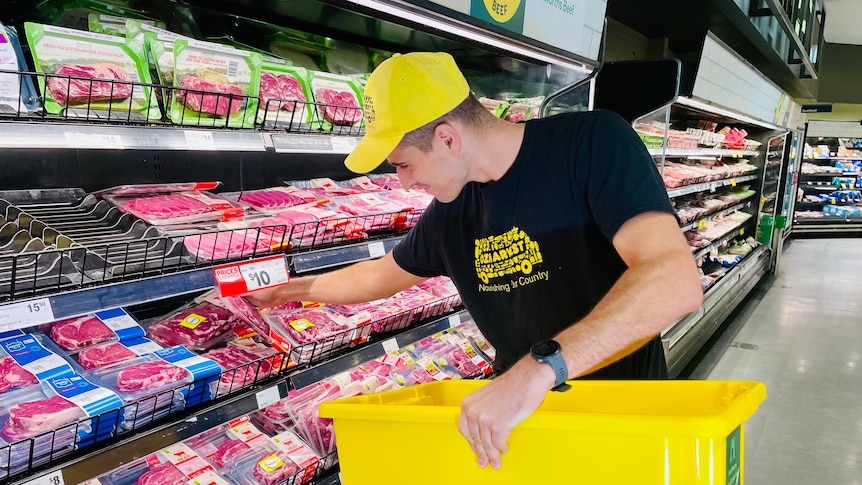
<point x="470" y="112"/>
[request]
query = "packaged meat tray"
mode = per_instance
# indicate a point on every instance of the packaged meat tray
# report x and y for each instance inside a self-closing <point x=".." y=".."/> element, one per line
<point x="204" y="372"/>
<point x="54" y="416"/>
<point x="198" y="326"/>
<point x="114" y="25"/>
<point x="152" y="386"/>
<point x="285" y="97"/>
<point x="243" y="363"/>
<point x="313" y="332"/>
<point x="220" y="85"/>
<point x="95" y="73"/>
<point x="109" y="353"/>
<point x="222" y="444"/>
<point x="223" y="245"/>
<point x="73" y="334"/>
<point x="310" y="227"/>
<point x="385" y="214"/>
<point x="138" y="29"/>
<point x="338" y="99"/>
<point x="262" y="466"/>
<point x="319" y="432"/>
<point x="384" y="315"/>
<point x="273" y="200"/>
<point x="26" y="360"/>
<point x="17" y="93"/>
<point x="177" y="208"/>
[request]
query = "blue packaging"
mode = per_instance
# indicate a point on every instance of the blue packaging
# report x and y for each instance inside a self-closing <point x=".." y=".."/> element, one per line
<point x="203" y="370"/>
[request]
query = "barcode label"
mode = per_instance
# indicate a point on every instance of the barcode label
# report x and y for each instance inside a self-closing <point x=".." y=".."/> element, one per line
<point x="232" y="68"/>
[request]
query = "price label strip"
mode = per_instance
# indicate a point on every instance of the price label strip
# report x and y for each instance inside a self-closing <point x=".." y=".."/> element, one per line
<point x="200" y="140"/>
<point x="53" y="478"/>
<point x="238" y="278"/>
<point x="25" y="314"/>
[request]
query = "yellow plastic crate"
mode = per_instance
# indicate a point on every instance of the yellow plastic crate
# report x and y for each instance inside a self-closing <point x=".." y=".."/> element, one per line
<point x="600" y="432"/>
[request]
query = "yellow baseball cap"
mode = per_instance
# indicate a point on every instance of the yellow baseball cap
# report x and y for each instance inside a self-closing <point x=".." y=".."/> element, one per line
<point x="404" y="93"/>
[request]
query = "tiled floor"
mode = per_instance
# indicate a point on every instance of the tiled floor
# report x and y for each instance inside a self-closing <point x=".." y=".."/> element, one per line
<point x="808" y="333"/>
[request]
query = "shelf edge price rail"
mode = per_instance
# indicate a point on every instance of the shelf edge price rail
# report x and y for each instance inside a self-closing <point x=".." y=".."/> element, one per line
<point x="238" y="278"/>
<point x="25" y="314"/>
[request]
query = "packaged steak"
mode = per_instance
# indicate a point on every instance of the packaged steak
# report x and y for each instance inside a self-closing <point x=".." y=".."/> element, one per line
<point x="221" y="245"/>
<point x="496" y="107"/>
<point x="262" y="466"/>
<point x="272" y="200"/>
<point x="52" y="418"/>
<point x="92" y="74"/>
<point x="73" y="334"/>
<point x="313" y="332"/>
<point x="223" y="444"/>
<point x="26" y="360"/>
<point x="338" y="99"/>
<point x="219" y="85"/>
<point x="17" y="92"/>
<point x="285" y="97"/>
<point x="243" y="364"/>
<point x="198" y="326"/>
<point x="104" y="354"/>
<point x="169" y="466"/>
<point x="114" y="25"/>
<point x="185" y="207"/>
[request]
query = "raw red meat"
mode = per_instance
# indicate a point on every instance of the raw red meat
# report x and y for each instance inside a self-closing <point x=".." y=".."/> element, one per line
<point x="226" y="244"/>
<point x="274" y="467"/>
<point x="164" y="474"/>
<point x="227" y="450"/>
<point x="32" y="418"/>
<point x="168" y="206"/>
<point x="240" y="307"/>
<point x="338" y="108"/>
<point x="277" y="198"/>
<point x="105" y="354"/>
<point x="75" y="333"/>
<point x="68" y="91"/>
<point x="194" y="327"/>
<point x="149" y="375"/>
<point x="210" y="103"/>
<point x="276" y="88"/>
<point x="238" y="367"/>
<point x="311" y="326"/>
<point x="13" y="376"/>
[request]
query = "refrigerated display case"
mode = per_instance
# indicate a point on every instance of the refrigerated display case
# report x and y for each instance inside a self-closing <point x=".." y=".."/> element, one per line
<point x="78" y="237"/>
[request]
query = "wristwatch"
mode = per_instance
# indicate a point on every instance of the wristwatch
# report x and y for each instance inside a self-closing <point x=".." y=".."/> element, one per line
<point x="549" y="352"/>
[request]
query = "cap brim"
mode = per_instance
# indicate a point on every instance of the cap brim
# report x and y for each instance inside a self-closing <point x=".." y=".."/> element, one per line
<point x="370" y="152"/>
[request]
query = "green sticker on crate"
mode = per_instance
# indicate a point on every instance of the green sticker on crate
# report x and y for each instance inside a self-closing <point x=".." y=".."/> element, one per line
<point x="733" y="449"/>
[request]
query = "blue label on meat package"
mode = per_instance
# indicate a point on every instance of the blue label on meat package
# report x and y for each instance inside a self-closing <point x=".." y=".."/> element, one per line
<point x="11" y="334"/>
<point x="204" y="371"/>
<point x="142" y="346"/>
<point x="102" y="404"/>
<point x="36" y="359"/>
<point x="121" y="323"/>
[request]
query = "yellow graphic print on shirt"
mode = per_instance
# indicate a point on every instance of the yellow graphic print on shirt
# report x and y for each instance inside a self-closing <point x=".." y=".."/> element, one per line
<point x="512" y="253"/>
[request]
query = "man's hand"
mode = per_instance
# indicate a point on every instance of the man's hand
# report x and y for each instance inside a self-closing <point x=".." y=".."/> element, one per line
<point x="489" y="415"/>
<point x="296" y="290"/>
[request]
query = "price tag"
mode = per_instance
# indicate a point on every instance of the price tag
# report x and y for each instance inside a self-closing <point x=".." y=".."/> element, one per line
<point x="702" y="224"/>
<point x="200" y="140"/>
<point x="238" y="278"/>
<point x="391" y="345"/>
<point x="25" y="314"/>
<point x="733" y="182"/>
<point x="343" y="144"/>
<point x="268" y="397"/>
<point x="95" y="140"/>
<point x="376" y="249"/>
<point x="742" y="232"/>
<point x="53" y="478"/>
<point x="454" y="320"/>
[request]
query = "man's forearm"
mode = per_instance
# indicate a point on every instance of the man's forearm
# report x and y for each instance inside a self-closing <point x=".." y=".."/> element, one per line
<point x="642" y="303"/>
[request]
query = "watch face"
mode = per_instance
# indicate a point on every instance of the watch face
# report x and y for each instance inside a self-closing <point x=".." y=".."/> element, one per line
<point x="546" y="348"/>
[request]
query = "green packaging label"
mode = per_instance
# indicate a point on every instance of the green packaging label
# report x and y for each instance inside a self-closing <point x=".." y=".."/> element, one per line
<point x="734" y="447"/>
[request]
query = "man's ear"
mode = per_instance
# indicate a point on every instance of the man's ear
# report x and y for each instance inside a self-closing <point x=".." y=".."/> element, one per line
<point x="447" y="137"/>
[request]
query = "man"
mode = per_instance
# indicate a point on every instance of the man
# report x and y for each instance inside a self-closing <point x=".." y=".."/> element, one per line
<point x="557" y="232"/>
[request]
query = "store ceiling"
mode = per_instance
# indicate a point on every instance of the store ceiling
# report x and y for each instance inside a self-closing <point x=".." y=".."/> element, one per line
<point x="843" y="18"/>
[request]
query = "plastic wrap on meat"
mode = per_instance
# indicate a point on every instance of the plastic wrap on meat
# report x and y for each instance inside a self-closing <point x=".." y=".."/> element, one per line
<point x="238" y="367"/>
<point x="149" y="375"/>
<point x="105" y="354"/>
<point x="310" y="227"/>
<point x="274" y="467"/>
<point x="195" y="327"/>
<point x="164" y="474"/>
<point x="227" y="450"/>
<point x="342" y="106"/>
<point x="276" y="89"/>
<point x="229" y="244"/>
<point x="70" y="91"/>
<point x="76" y="333"/>
<point x="311" y="326"/>
<point x="168" y="206"/>
<point x="277" y="198"/>
<point x="13" y="376"/>
<point x="224" y="104"/>
<point x="240" y="307"/>
<point x="33" y="418"/>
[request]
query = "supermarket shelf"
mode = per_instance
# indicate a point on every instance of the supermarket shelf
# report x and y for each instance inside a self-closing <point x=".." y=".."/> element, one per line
<point x="729" y="210"/>
<point x="686" y="337"/>
<point x="740" y="230"/>
<point x="842" y="174"/>
<point x="827" y="225"/>
<point x="350" y="360"/>
<point x="831" y="158"/>
<point x="111" y="137"/>
<point x="702" y="152"/>
<point x="87" y="300"/>
<point x="693" y="189"/>
<point x="292" y="143"/>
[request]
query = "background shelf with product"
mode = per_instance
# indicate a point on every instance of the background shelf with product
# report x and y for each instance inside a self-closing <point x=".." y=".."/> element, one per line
<point x="158" y="139"/>
<point x="828" y="198"/>
<point x="726" y="165"/>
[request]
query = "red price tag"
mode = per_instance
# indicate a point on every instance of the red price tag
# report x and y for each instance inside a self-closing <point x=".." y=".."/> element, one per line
<point x="238" y="278"/>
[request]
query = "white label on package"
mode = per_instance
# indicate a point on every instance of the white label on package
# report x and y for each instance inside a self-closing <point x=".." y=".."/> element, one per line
<point x="343" y="145"/>
<point x="143" y="346"/>
<point x="247" y="433"/>
<point x="28" y="353"/>
<point x="25" y="314"/>
<point x="121" y="323"/>
<point x="56" y="478"/>
<point x="200" y="140"/>
<point x="376" y="249"/>
<point x="186" y="460"/>
<point x="10" y="84"/>
<point x="291" y="445"/>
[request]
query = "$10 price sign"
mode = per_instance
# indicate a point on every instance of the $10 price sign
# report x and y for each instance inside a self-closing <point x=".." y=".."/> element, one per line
<point x="238" y="278"/>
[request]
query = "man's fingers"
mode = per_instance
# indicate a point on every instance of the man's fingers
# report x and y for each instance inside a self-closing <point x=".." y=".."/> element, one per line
<point x="464" y="429"/>
<point x="500" y="440"/>
<point x="486" y="428"/>
<point x="476" y="436"/>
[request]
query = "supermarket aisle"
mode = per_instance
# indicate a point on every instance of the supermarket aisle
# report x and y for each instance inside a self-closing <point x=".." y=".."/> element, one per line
<point x="808" y="334"/>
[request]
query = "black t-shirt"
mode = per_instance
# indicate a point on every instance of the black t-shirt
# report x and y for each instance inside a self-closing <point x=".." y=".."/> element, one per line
<point x="531" y="253"/>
